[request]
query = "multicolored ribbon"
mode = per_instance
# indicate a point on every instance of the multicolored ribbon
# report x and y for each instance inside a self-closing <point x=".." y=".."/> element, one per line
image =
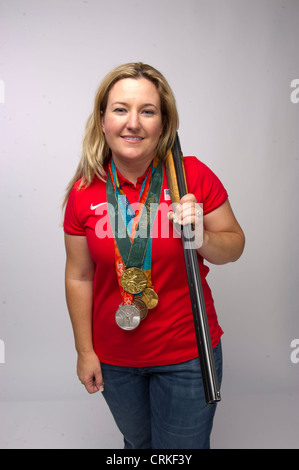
<point x="131" y="249"/>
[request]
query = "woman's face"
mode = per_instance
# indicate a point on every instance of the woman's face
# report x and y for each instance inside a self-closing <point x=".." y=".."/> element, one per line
<point x="132" y="122"/>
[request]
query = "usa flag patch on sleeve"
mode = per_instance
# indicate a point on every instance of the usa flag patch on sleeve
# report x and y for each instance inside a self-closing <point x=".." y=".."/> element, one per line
<point x="166" y="195"/>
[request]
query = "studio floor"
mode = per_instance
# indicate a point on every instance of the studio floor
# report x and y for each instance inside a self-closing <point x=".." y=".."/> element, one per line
<point x="242" y="422"/>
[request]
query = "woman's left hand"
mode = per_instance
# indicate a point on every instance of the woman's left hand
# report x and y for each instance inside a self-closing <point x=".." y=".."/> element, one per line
<point x="189" y="212"/>
<point x="219" y="239"/>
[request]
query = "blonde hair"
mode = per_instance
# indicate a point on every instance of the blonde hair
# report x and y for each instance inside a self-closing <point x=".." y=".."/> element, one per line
<point x="95" y="151"/>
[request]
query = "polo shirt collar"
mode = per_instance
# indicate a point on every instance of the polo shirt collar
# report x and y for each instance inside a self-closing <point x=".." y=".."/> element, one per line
<point x="124" y="182"/>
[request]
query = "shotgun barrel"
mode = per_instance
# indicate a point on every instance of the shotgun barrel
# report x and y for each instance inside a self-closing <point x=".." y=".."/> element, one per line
<point x="178" y="188"/>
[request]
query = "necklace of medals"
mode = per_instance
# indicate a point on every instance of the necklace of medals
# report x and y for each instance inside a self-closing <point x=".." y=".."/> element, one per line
<point x="133" y="244"/>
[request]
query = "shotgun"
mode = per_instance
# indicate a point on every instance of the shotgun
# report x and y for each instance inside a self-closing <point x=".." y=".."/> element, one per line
<point x="178" y="188"/>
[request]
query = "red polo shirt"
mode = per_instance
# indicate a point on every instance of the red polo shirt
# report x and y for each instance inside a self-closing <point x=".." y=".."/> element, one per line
<point x="166" y="335"/>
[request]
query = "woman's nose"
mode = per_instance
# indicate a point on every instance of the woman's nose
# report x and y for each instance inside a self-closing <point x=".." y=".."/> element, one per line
<point x="133" y="121"/>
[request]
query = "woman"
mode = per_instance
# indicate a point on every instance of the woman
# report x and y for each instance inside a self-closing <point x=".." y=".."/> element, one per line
<point x="129" y="301"/>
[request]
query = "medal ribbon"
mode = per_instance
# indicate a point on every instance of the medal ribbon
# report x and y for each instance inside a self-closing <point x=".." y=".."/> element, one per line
<point x="132" y="240"/>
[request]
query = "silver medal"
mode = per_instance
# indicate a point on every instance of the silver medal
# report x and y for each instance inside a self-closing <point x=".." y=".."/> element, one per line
<point x="127" y="317"/>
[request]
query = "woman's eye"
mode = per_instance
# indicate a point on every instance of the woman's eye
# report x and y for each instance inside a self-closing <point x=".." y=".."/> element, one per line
<point x="120" y="110"/>
<point x="148" y="112"/>
<point x="145" y="112"/>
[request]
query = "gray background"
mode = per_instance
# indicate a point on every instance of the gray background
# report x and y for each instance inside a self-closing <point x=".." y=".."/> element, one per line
<point x="230" y="64"/>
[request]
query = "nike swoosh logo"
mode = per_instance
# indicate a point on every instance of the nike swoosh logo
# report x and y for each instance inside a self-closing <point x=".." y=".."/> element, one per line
<point x="92" y="207"/>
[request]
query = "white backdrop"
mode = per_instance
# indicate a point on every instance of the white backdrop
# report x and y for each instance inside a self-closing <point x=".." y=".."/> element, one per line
<point x="231" y="64"/>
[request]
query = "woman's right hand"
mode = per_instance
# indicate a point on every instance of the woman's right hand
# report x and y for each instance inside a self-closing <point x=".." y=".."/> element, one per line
<point x="89" y="371"/>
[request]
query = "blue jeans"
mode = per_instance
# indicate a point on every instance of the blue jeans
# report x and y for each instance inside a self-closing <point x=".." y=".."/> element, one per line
<point x="161" y="407"/>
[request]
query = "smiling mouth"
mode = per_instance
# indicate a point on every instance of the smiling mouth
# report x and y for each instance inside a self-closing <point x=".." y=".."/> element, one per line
<point x="133" y="139"/>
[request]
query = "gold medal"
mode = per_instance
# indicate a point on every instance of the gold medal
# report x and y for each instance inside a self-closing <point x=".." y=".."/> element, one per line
<point x="133" y="280"/>
<point x="142" y="307"/>
<point x="150" y="297"/>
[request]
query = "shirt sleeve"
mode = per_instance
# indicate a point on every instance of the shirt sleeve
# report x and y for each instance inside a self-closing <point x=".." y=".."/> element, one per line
<point x="72" y="224"/>
<point x="207" y="187"/>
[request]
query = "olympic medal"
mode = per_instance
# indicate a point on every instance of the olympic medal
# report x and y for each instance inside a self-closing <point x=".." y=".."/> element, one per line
<point x="141" y="307"/>
<point x="127" y="317"/>
<point x="150" y="297"/>
<point x="133" y="280"/>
